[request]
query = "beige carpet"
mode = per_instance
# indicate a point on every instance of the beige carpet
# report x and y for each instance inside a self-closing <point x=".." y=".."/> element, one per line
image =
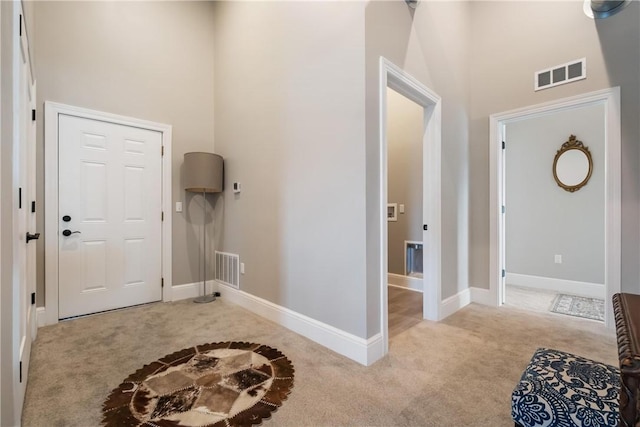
<point x="457" y="372"/>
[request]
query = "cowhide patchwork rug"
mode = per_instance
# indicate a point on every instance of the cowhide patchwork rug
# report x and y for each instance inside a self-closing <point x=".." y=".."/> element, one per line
<point x="218" y="384"/>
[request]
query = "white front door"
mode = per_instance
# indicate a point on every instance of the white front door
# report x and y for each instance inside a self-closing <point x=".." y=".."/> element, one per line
<point x="109" y="218"/>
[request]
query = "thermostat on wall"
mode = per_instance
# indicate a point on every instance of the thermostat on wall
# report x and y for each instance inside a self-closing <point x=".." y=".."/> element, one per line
<point x="237" y="187"/>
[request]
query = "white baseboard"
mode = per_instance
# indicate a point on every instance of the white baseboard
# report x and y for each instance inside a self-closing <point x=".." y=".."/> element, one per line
<point x="41" y="317"/>
<point x="483" y="296"/>
<point x="585" y="289"/>
<point x="192" y="290"/>
<point x="401" y="281"/>
<point x="454" y="303"/>
<point x="364" y="351"/>
<point x="179" y="292"/>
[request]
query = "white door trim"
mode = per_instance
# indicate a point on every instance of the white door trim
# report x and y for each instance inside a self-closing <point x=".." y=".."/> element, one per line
<point x="52" y="110"/>
<point x="397" y="79"/>
<point x="610" y="99"/>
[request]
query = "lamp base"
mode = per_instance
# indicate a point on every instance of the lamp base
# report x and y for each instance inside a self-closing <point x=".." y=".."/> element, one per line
<point x="204" y="298"/>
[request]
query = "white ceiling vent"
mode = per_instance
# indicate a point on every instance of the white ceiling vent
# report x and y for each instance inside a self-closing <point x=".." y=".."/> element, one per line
<point x="561" y="74"/>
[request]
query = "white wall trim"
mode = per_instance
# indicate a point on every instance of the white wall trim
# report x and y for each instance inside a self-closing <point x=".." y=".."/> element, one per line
<point x="364" y="351"/>
<point x="408" y="282"/>
<point x="455" y="303"/>
<point x="41" y="317"/>
<point x="610" y="99"/>
<point x="482" y="296"/>
<point x="192" y="290"/>
<point x="584" y="289"/>
<point x="394" y="77"/>
<point x="51" y="112"/>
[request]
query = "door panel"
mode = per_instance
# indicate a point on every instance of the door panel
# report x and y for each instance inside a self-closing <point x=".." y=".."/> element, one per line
<point x="23" y="176"/>
<point x="110" y="186"/>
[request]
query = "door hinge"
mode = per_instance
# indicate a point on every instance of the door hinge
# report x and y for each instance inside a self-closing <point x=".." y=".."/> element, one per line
<point x="162" y="150"/>
<point x="20" y="369"/>
<point x="504" y="209"/>
<point x="425" y="227"/>
<point x="33" y="298"/>
<point x="33" y="115"/>
<point x="162" y="216"/>
<point x="33" y="206"/>
<point x="504" y="273"/>
<point x="162" y="282"/>
<point x="504" y="145"/>
<point x="20" y="27"/>
<point x="19" y="197"/>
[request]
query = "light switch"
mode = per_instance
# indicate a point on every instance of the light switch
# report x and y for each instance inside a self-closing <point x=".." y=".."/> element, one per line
<point x="401" y="207"/>
<point x="178" y="206"/>
<point x="558" y="259"/>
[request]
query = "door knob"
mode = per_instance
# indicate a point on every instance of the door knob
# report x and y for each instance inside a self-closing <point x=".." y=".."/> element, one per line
<point x="34" y="236"/>
<point x="69" y="232"/>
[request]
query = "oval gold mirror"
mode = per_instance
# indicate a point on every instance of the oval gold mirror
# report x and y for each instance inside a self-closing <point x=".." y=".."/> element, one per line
<point x="572" y="165"/>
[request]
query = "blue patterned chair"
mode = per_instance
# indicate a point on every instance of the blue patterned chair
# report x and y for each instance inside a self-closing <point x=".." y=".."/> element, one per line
<point x="559" y="389"/>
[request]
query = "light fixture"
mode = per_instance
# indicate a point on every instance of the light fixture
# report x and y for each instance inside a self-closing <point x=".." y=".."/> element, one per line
<point x="412" y="3"/>
<point x="203" y="174"/>
<point x="600" y="9"/>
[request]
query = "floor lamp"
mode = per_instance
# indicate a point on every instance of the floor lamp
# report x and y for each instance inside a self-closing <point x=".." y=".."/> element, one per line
<point x="203" y="174"/>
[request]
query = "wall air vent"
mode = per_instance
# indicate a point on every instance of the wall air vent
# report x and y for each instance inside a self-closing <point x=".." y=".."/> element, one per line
<point x="228" y="269"/>
<point x="561" y="74"/>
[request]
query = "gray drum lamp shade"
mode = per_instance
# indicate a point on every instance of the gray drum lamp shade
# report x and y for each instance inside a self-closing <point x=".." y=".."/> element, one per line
<point x="605" y="8"/>
<point x="203" y="172"/>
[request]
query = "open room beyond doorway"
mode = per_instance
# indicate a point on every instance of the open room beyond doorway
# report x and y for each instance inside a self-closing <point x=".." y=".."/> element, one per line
<point x="405" y="130"/>
<point x="593" y="232"/>
<point x="554" y="237"/>
<point x="393" y="77"/>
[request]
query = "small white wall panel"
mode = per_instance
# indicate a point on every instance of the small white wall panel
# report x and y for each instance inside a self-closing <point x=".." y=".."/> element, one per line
<point x="134" y="196"/>
<point x="95" y="142"/>
<point x="95" y="265"/>
<point x="134" y="147"/>
<point x="94" y="191"/>
<point x="133" y="261"/>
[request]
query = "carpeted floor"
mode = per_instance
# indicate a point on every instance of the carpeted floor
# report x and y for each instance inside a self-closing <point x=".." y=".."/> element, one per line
<point x="460" y="371"/>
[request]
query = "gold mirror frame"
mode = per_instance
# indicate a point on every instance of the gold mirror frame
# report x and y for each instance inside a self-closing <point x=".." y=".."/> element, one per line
<point x="572" y="144"/>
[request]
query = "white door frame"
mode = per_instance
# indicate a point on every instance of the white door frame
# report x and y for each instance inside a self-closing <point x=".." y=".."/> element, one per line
<point x="52" y="111"/>
<point x="2" y="341"/>
<point x="610" y="99"/>
<point x="392" y="76"/>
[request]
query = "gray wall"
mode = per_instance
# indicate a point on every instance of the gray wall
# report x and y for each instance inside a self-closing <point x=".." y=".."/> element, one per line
<point x="290" y="124"/>
<point x="404" y="138"/>
<point x="296" y="110"/>
<point x="431" y="43"/>
<point x="511" y="40"/>
<point x="149" y="60"/>
<point x="542" y="219"/>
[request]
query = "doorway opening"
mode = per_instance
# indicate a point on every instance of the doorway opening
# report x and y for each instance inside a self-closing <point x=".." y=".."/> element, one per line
<point x="545" y="237"/>
<point x="405" y="130"/>
<point x="394" y="82"/>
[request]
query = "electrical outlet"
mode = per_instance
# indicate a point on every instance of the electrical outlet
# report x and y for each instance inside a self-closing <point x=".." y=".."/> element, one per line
<point x="178" y="206"/>
<point x="558" y="259"/>
<point x="242" y="268"/>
